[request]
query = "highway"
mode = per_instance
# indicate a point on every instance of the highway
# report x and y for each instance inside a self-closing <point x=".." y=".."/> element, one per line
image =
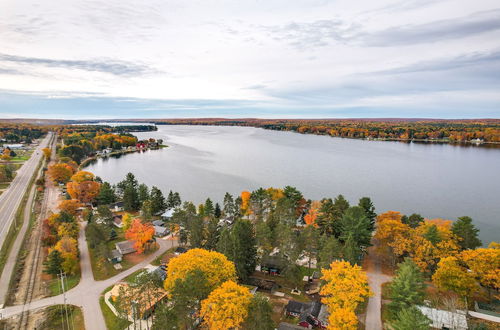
<point x="13" y="195"/>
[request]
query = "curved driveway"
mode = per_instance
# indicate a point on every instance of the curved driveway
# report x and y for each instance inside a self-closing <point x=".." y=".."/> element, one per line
<point x="86" y="294"/>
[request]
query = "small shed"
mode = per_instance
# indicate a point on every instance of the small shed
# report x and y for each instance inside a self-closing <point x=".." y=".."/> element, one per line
<point x="168" y="214"/>
<point x="115" y="256"/>
<point x="125" y="247"/>
<point x="118" y="220"/>
<point x="161" y="231"/>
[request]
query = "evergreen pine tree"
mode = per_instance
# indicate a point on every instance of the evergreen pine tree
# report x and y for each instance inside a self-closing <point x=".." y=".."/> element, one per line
<point x="407" y="288"/>
<point x="467" y="233"/>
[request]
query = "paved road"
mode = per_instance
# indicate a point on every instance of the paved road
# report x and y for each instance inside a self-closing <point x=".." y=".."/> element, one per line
<point x="12" y="197"/>
<point x="86" y="294"/>
<point x="373" y="311"/>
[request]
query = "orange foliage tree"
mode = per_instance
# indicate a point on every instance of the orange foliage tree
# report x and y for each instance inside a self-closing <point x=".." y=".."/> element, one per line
<point x="312" y="214"/>
<point x="60" y="173"/>
<point x="140" y="233"/>
<point x="82" y="176"/>
<point x="85" y="191"/>
<point x="70" y="206"/>
<point x="245" y="202"/>
<point x="226" y="307"/>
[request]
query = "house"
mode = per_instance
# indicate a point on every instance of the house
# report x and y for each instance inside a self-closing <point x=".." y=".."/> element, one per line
<point x="158" y="223"/>
<point x="167" y="215"/>
<point x="118" y="220"/>
<point x="13" y="146"/>
<point x="137" y="300"/>
<point x="125" y="247"/>
<point x="307" y="313"/>
<point x="180" y="250"/>
<point x="272" y="265"/>
<point x="116" y="207"/>
<point x="442" y="319"/>
<point x="161" y="231"/>
<point x="115" y="256"/>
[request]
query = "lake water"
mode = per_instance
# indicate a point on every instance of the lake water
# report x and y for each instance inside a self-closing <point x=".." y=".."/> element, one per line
<point x="435" y="180"/>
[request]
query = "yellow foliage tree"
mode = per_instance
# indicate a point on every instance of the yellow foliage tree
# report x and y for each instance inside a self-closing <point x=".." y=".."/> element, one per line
<point x="216" y="267"/>
<point x="450" y="276"/>
<point x="46" y="153"/>
<point x="60" y="173"/>
<point x="126" y="221"/>
<point x="226" y="307"/>
<point x="68" y="247"/>
<point x="81" y="176"/>
<point x="70" y="206"/>
<point x="346" y="286"/>
<point x="485" y="265"/>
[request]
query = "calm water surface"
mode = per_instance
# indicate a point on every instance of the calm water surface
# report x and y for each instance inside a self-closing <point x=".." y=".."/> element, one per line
<point x="435" y="180"/>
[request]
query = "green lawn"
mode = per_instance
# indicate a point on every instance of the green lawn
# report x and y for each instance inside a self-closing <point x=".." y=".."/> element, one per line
<point x="56" y="318"/>
<point x="107" y="270"/>
<point x="55" y="285"/>
<point x="112" y="321"/>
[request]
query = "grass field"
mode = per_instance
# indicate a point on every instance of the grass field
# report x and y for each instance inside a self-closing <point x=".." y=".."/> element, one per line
<point x="56" y="318"/>
<point x="54" y="286"/>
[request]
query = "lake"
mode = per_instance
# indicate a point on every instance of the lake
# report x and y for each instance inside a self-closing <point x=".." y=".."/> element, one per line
<point x="435" y="180"/>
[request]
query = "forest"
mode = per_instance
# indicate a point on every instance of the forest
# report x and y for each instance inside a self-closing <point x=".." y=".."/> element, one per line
<point x="450" y="131"/>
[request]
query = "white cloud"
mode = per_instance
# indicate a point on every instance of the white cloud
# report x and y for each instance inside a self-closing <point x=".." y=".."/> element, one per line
<point x="274" y="53"/>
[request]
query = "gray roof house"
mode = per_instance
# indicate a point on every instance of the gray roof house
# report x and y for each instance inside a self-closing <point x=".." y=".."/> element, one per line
<point x="161" y="231"/>
<point x="158" y="223"/>
<point x="125" y="247"/>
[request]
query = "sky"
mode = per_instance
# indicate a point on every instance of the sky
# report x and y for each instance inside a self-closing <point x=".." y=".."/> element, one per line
<point x="82" y="59"/>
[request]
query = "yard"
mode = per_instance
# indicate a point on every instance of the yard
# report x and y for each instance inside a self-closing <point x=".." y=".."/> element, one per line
<point x="112" y="321"/>
<point x="54" y="285"/>
<point x="106" y="270"/>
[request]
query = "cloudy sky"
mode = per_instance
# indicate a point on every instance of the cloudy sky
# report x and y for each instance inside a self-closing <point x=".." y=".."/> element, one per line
<point x="262" y="58"/>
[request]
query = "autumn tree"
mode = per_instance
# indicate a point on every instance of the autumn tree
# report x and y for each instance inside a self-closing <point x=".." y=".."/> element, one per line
<point x="70" y="206"/>
<point x="140" y="233"/>
<point x="82" y="176"/>
<point x="226" y="307"/>
<point x="60" y="173"/>
<point x="85" y="191"/>
<point x="216" y="267"/>
<point x="46" y="152"/>
<point x="467" y="233"/>
<point x="312" y="214"/>
<point x="245" y="202"/>
<point x="346" y="286"/>
<point x="451" y="276"/>
<point x="484" y="264"/>
<point x="68" y="247"/>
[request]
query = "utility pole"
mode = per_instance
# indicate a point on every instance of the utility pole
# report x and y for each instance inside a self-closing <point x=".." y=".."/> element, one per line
<point x="63" y="288"/>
